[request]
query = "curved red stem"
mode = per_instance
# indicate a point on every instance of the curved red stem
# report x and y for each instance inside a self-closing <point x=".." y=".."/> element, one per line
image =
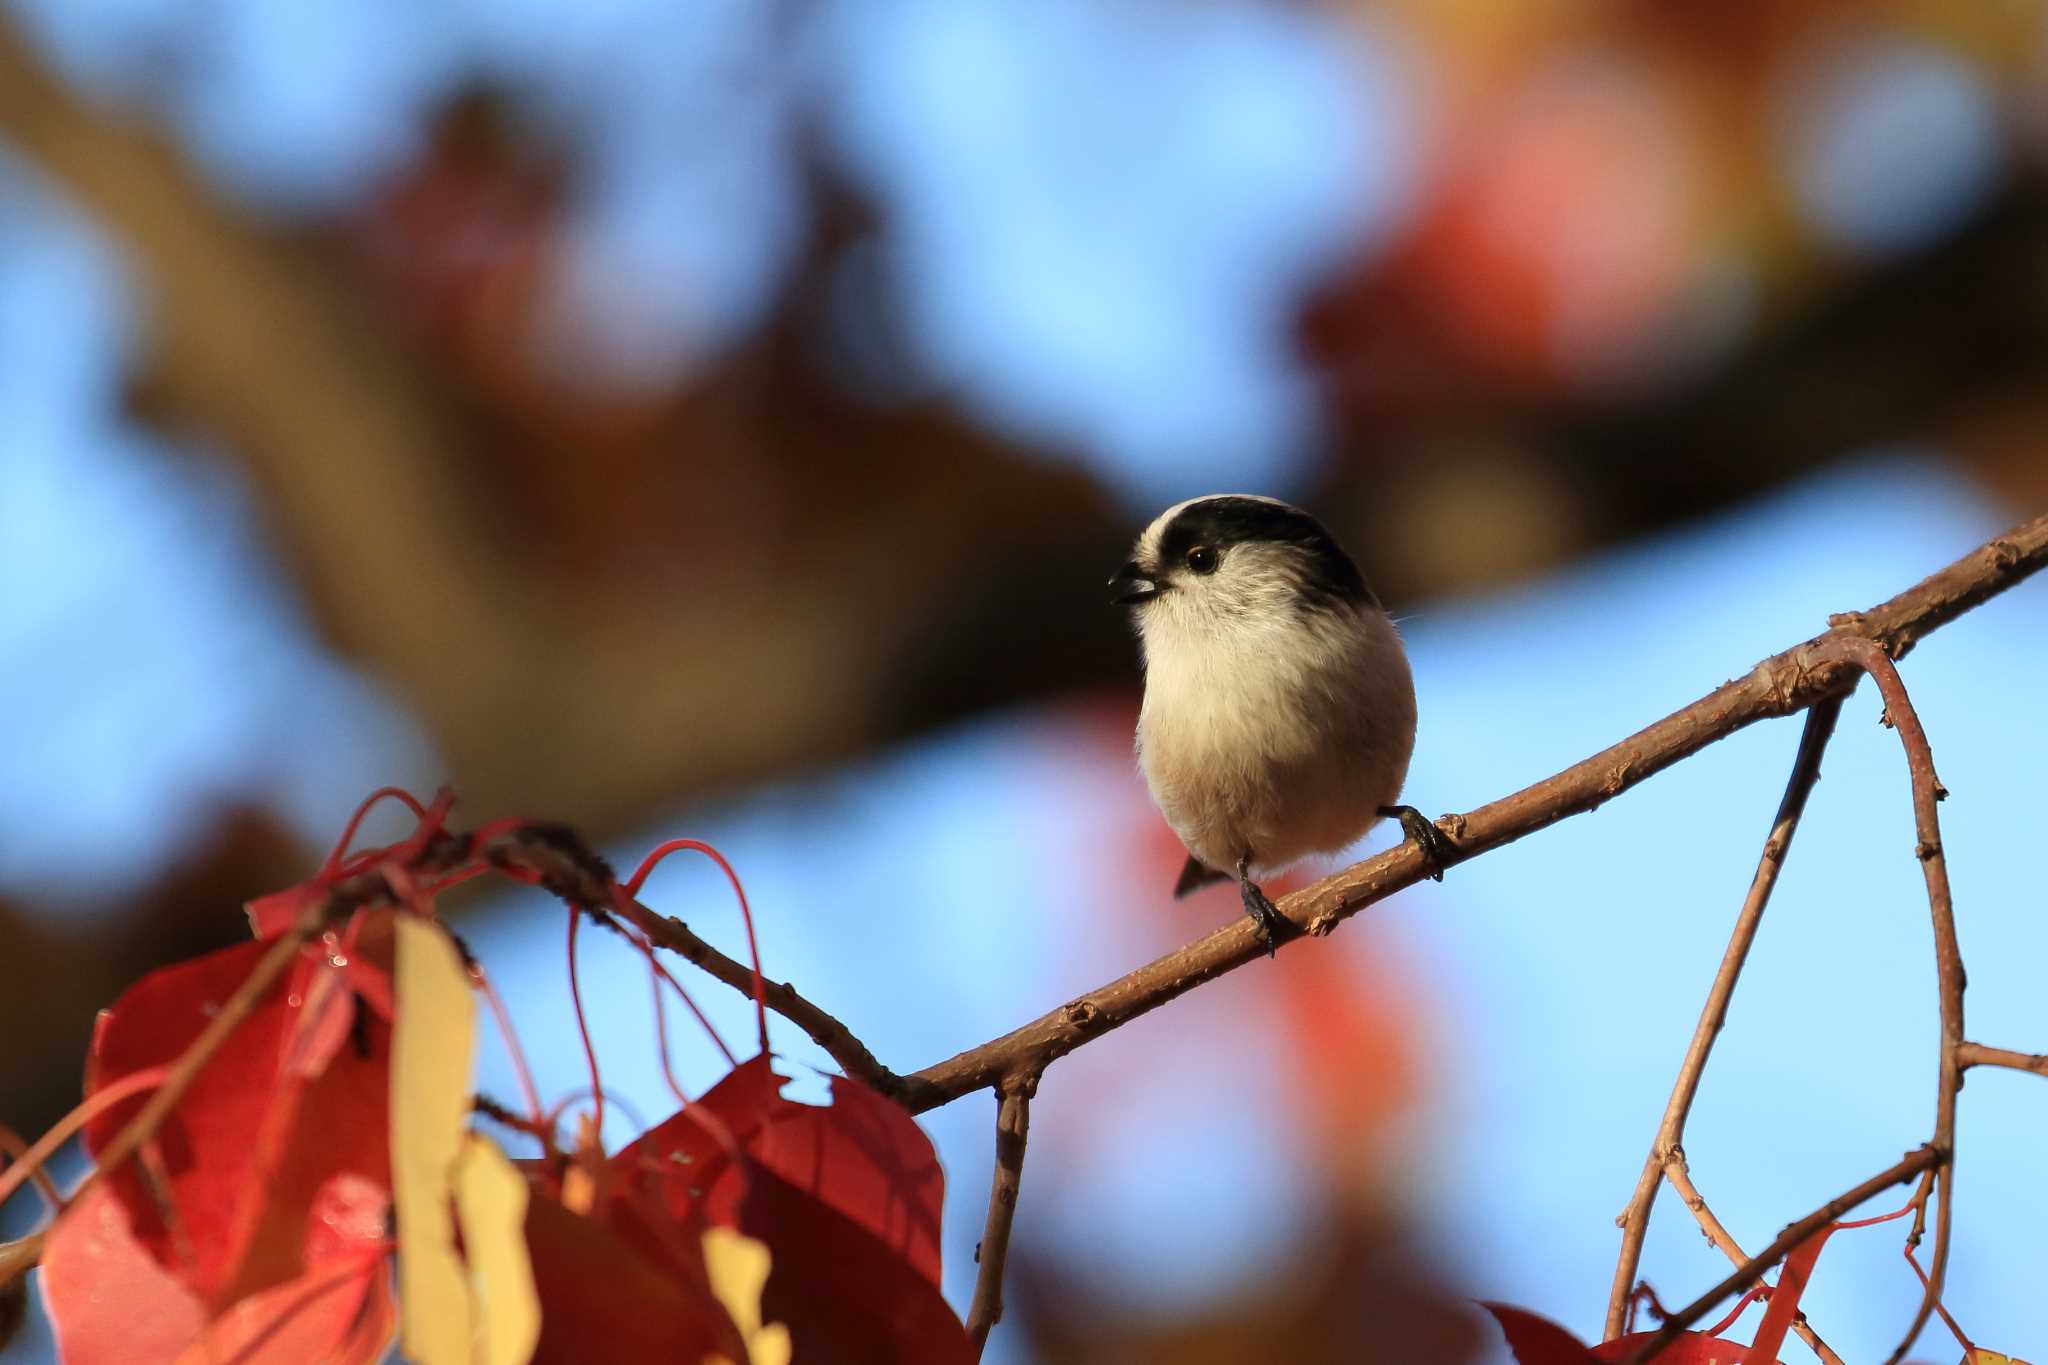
<point x="661" y="851"/>
<point x="583" y="1027"/>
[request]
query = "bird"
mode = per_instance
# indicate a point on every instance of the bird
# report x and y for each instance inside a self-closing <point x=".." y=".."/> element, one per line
<point x="1279" y="713"/>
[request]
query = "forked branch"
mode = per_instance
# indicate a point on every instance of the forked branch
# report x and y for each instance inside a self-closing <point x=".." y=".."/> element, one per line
<point x="1665" y="1147"/>
<point x="1760" y="1265"/>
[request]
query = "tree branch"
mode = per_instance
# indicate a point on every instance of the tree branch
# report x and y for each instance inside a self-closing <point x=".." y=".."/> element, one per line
<point x="1798" y="678"/>
<point x="20" y="1256"/>
<point x="560" y="861"/>
<point x="1921" y="1159"/>
<point x="1948" y="957"/>
<point x="1013" y="1127"/>
<point x="1976" y="1054"/>
<point x="1665" y="1146"/>
<point x="1680" y="1176"/>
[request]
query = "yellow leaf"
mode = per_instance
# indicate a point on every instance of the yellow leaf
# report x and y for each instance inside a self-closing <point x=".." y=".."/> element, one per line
<point x="432" y="1041"/>
<point x="738" y="1267"/>
<point x="490" y="1201"/>
<point x="1980" y="1356"/>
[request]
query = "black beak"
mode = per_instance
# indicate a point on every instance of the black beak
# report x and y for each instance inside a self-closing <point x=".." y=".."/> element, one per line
<point x="1133" y="585"/>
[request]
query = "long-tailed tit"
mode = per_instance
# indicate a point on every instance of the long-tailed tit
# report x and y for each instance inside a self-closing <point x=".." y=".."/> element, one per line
<point x="1279" y="712"/>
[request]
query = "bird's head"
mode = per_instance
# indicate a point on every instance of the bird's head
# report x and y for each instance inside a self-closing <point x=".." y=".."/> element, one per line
<point x="1233" y="557"/>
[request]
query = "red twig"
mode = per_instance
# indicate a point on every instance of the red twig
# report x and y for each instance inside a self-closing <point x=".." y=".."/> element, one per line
<point x="32" y="1161"/>
<point x="660" y="974"/>
<point x="348" y="833"/>
<point x="17" y="1152"/>
<point x="1927" y="1286"/>
<point x="528" y="1091"/>
<point x="668" y="1071"/>
<point x="1756" y="1292"/>
<point x="653" y="859"/>
<point x="583" y="1028"/>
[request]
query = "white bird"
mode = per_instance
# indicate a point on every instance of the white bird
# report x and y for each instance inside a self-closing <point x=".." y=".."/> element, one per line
<point x="1279" y="711"/>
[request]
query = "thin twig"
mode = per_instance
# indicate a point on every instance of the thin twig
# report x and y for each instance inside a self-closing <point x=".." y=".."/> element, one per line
<point x="565" y="865"/>
<point x="1976" y="1054"/>
<point x="1665" y="1146"/>
<point x="15" y="1150"/>
<point x="1759" y="1265"/>
<point x="1948" y="956"/>
<point x="1791" y="681"/>
<point x="1680" y="1176"/>
<point x="20" y="1256"/>
<point x="183" y="1072"/>
<point x="1013" y="1127"/>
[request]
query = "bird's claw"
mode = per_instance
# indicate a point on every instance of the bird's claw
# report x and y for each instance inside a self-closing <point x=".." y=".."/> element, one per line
<point x="1274" y="928"/>
<point x="1437" y="850"/>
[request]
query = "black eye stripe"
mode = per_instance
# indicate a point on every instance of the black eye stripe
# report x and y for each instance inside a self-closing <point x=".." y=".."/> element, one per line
<point x="1202" y="559"/>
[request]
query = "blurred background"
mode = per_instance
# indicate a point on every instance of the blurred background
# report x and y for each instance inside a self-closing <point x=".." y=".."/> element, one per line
<point x="718" y="418"/>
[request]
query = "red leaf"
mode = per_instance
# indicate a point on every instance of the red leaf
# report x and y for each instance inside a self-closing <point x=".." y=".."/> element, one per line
<point x="862" y="1156"/>
<point x="1539" y="1341"/>
<point x="844" y="1297"/>
<point x="1690" y="1348"/>
<point x="289" y="1117"/>
<point x="594" y="1288"/>
<point x="847" y="1198"/>
<point x="271" y="915"/>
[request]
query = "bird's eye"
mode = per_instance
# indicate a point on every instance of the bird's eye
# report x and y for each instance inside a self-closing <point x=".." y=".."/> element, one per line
<point x="1202" y="559"/>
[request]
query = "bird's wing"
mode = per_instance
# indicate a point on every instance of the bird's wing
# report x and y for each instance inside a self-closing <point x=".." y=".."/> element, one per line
<point x="1195" y="876"/>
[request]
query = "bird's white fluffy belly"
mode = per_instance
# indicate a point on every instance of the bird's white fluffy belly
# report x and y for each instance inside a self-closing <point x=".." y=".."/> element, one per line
<point x="1239" y="769"/>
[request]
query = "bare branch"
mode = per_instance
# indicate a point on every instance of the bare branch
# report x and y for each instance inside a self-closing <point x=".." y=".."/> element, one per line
<point x="1948" y="956"/>
<point x="20" y="1256"/>
<point x="1665" y="1146"/>
<point x="1680" y="1176"/>
<point x="1759" y="1265"/>
<point x="1976" y="1054"/>
<point x="1800" y="677"/>
<point x="1013" y="1126"/>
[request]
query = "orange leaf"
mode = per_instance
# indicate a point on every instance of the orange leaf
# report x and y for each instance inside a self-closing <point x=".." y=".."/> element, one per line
<point x="112" y="1303"/>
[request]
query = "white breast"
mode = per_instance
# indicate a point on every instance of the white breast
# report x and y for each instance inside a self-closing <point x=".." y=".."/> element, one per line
<point x="1273" y="735"/>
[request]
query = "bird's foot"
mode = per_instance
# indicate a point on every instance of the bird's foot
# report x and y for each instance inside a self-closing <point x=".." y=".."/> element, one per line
<point x="1274" y="927"/>
<point x="1437" y="850"/>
